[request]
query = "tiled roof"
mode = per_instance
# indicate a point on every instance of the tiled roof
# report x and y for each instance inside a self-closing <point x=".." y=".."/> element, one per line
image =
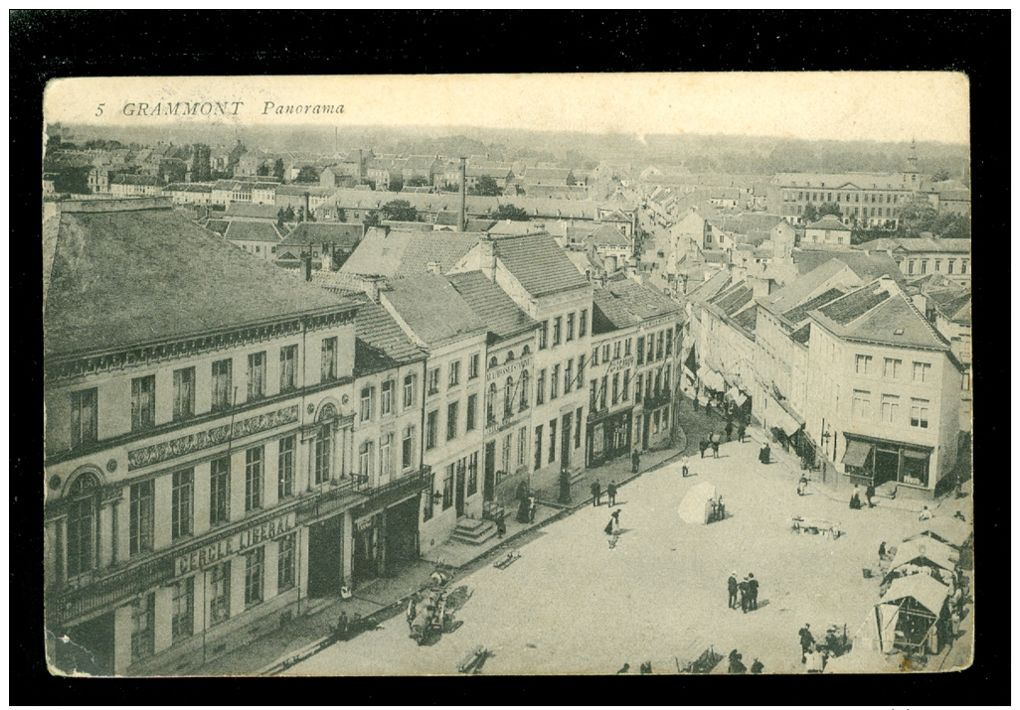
<point x="396" y="253"/>
<point x="251" y="231"/>
<point x="606" y="235"/>
<point x="802" y="288"/>
<point x="298" y="190"/>
<point x="217" y="225"/>
<point x="747" y="318"/>
<point x="243" y="209"/>
<point x="803" y="334"/>
<point x="501" y="315"/>
<point x="134" y="180"/>
<point x="344" y="234"/>
<point x="538" y="263"/>
<point x="733" y="298"/>
<point x="625" y="302"/>
<point x="798" y="314"/>
<point x="433" y="309"/>
<point x="546" y="174"/>
<point x="115" y="283"/>
<point x="835" y="181"/>
<point x="189" y="187"/>
<point x="866" y="266"/>
<point x="855" y="304"/>
<point x="919" y="245"/>
<point x="830" y="222"/>
<point x="380" y="343"/>
<point x="478" y="205"/>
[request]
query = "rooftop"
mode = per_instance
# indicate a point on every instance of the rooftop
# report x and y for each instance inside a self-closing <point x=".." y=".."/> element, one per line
<point x="830" y="222"/>
<point x="433" y="309"/>
<point x="538" y="263"/>
<point x="623" y="302"/>
<point x="108" y="257"/>
<point x="497" y="310"/>
<point x="345" y="234"/>
<point x="252" y="231"/>
<point x="380" y="343"/>
<point x="396" y="253"/>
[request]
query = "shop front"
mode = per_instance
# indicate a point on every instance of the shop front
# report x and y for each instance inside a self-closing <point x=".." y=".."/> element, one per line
<point x="878" y="461"/>
<point x="609" y="436"/>
<point x="385" y="531"/>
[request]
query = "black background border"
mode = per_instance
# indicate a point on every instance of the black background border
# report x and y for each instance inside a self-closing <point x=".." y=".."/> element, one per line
<point x="50" y="44"/>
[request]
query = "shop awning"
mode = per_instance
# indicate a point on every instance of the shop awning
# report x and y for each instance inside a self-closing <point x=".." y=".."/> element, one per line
<point x="737" y="396"/>
<point x="781" y="419"/>
<point x="856" y="453"/>
<point x="926" y="591"/>
<point x="712" y="379"/>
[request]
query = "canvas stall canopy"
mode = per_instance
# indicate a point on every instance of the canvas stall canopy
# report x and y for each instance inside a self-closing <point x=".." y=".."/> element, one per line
<point x="908" y="614"/>
<point x="712" y="379"/>
<point x="926" y="550"/>
<point x="865" y="655"/>
<point x="696" y="507"/>
<point x="736" y="396"/>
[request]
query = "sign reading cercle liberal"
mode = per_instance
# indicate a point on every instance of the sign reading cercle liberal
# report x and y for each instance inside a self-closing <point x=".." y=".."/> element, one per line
<point x="202" y="557"/>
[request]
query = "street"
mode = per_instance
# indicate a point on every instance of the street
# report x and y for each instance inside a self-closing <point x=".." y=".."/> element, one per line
<point x="574" y="604"/>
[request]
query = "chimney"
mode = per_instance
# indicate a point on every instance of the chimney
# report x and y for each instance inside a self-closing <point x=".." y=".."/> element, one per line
<point x="308" y="202"/>
<point x="488" y="252"/>
<point x="373" y="285"/>
<point x="462" y="222"/>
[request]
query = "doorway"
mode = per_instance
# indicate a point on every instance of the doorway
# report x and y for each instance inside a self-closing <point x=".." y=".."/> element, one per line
<point x="459" y="488"/>
<point x="489" y="480"/>
<point x="643" y="425"/>
<point x="325" y="557"/>
<point x="565" y="447"/>
<point x="402" y="534"/>
<point x="887" y="465"/>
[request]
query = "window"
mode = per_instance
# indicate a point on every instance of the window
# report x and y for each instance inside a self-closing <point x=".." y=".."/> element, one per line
<point x="143" y="626"/>
<point x="253" y="478"/>
<point x="143" y="403"/>
<point x="919" y="413"/>
<point x="965" y="382"/>
<point x="577" y="427"/>
<point x="922" y="372"/>
<point x="604" y="392"/>
<point x="964" y="265"/>
<point x="543" y="336"/>
<point x="222" y="396"/>
<point x="285" y="558"/>
<point x="891" y="368"/>
<point x="84" y="417"/>
<point x="595" y="355"/>
<point x="540" y="387"/>
<point x="431" y="429"/>
<point x="508" y="398"/>
<point x="328" y="363"/>
<point x="640" y="351"/>
<point x="288" y="368"/>
<point x="366" y="403"/>
<point x="386" y="454"/>
<point x="182" y="619"/>
<point x="651" y="347"/>
<point x="493" y="362"/>
<point x="256" y="375"/>
<point x="861" y="404"/>
<point x="593" y="390"/>
<point x="938" y="265"/>
<point x="448" y="488"/>
<point x="669" y="342"/>
<point x="580" y="370"/>
<point x="552" y="440"/>
<point x="184" y="393"/>
<point x="472" y="412"/>
<point x="538" y="447"/>
<point x="506" y="449"/>
<point x="616" y="387"/>
<point x="568" y="376"/>
<point x="285" y="467"/>
<point x="254" y="562"/>
<point x="605" y="353"/>
<point x="141" y="517"/>
<point x="862" y="364"/>
<point x="409" y="391"/>
<point x="570" y="327"/>
<point x="451" y="420"/>
<point x="950" y="266"/>
<point x="474" y="366"/>
<point x="524" y="391"/>
<point x="659" y="348"/>
<point x="407" y="449"/>
<point x="890" y="408"/>
<point x="454" y="373"/>
<point x="429" y="499"/>
<point x="583" y="329"/>
<point x="557" y="330"/>
<point x="434" y="380"/>
<point x="924" y="266"/>
<point x="365" y="456"/>
<point x="522" y="446"/>
<point x="626" y="385"/>
<point x="219" y="491"/>
<point x="554" y="383"/>
<point x="323" y="454"/>
<point x="182" y="504"/>
<point x="616" y="349"/>
<point x="81" y="525"/>
<point x="472" y="474"/>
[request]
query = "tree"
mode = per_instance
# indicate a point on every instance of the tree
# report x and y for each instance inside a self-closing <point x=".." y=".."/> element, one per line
<point x="201" y="169"/>
<point x="828" y="208"/>
<point x="371" y="219"/>
<point x="278" y="169"/>
<point x="486" y="185"/>
<point x="263" y="170"/>
<point x="308" y="174"/>
<point x="511" y="212"/>
<point x="396" y="184"/>
<point x="399" y="211"/>
<point x="417" y="181"/>
<point x="571" y="180"/>
<point x="810" y="213"/>
<point x="341" y="214"/>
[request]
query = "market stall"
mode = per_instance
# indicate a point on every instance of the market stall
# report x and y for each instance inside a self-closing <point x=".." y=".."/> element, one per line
<point x="699" y="505"/>
<point x="909" y="614"/>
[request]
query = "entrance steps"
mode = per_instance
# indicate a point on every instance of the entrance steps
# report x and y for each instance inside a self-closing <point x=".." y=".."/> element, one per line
<point x="471" y="531"/>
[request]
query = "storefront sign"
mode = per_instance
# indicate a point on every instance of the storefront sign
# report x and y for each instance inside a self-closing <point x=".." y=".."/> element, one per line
<point x="621" y="364"/>
<point x="510" y="368"/>
<point x="217" y="551"/>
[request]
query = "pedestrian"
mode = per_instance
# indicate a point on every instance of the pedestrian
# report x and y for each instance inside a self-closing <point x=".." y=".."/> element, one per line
<point x="611" y="493"/>
<point x="757" y="667"/>
<point x="802" y="485"/>
<point x="501" y="525"/>
<point x="616" y="519"/>
<point x="925" y="514"/>
<point x="412" y="610"/>
<point x="532" y="507"/>
<point x="720" y="511"/>
<point x="881" y="551"/>
<point x="635" y="461"/>
<point x="740" y="432"/>
<point x="855" y="500"/>
<point x="731" y="586"/>
<point x="684" y="470"/>
<point x="342" y="626"/>
<point x="715" y="449"/>
<point x="703" y="445"/>
<point x="736" y="664"/>
<point x="728" y="429"/>
<point x="752" y="592"/>
<point x="596" y="493"/>
<point x="806" y="642"/>
<point x="869" y="493"/>
<point x="744" y="590"/>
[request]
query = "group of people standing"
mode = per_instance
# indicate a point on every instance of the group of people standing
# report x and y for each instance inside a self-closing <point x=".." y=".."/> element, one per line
<point x="855" y="497"/>
<point x="596" y="493"/>
<point x="746" y="590"/>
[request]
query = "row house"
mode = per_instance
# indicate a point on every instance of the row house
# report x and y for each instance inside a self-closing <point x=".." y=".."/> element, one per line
<point x="189" y="193"/>
<point x="537" y="275"/>
<point x="921" y="256"/>
<point x="197" y="458"/>
<point x="135" y="186"/>
<point x="872" y="199"/>
<point x="435" y="318"/>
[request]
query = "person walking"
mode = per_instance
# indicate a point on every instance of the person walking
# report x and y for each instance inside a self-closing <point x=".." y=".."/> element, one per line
<point x="715" y="449"/>
<point x="802" y="484"/>
<point x="855" y="500"/>
<point x="806" y="642"/>
<point x="611" y="493"/>
<point x="741" y="428"/>
<point x="635" y="461"/>
<point x="684" y="470"/>
<point x="532" y="507"/>
<point x="744" y="590"/>
<point x="881" y="551"/>
<point x="728" y="429"/>
<point x="869" y="493"/>
<point x="752" y="592"/>
<point x="702" y="445"/>
<point x="596" y="494"/>
<point x="731" y="587"/>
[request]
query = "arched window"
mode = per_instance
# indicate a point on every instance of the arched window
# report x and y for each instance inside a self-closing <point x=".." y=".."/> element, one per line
<point x="490" y="417"/>
<point x="526" y="351"/>
<point x="510" y="356"/>
<point x="508" y="397"/>
<point x="524" y="390"/>
<point x="82" y="524"/>
<point x="493" y="362"/>
<point x="323" y="453"/>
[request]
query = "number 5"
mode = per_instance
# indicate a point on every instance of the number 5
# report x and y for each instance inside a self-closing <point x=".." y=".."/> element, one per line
<point x="99" y="109"/>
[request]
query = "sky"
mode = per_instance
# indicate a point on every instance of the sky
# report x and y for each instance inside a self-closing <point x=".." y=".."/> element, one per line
<point x="880" y="106"/>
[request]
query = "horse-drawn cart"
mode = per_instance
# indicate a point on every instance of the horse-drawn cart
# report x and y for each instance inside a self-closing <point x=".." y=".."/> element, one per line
<point x="816" y="526"/>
